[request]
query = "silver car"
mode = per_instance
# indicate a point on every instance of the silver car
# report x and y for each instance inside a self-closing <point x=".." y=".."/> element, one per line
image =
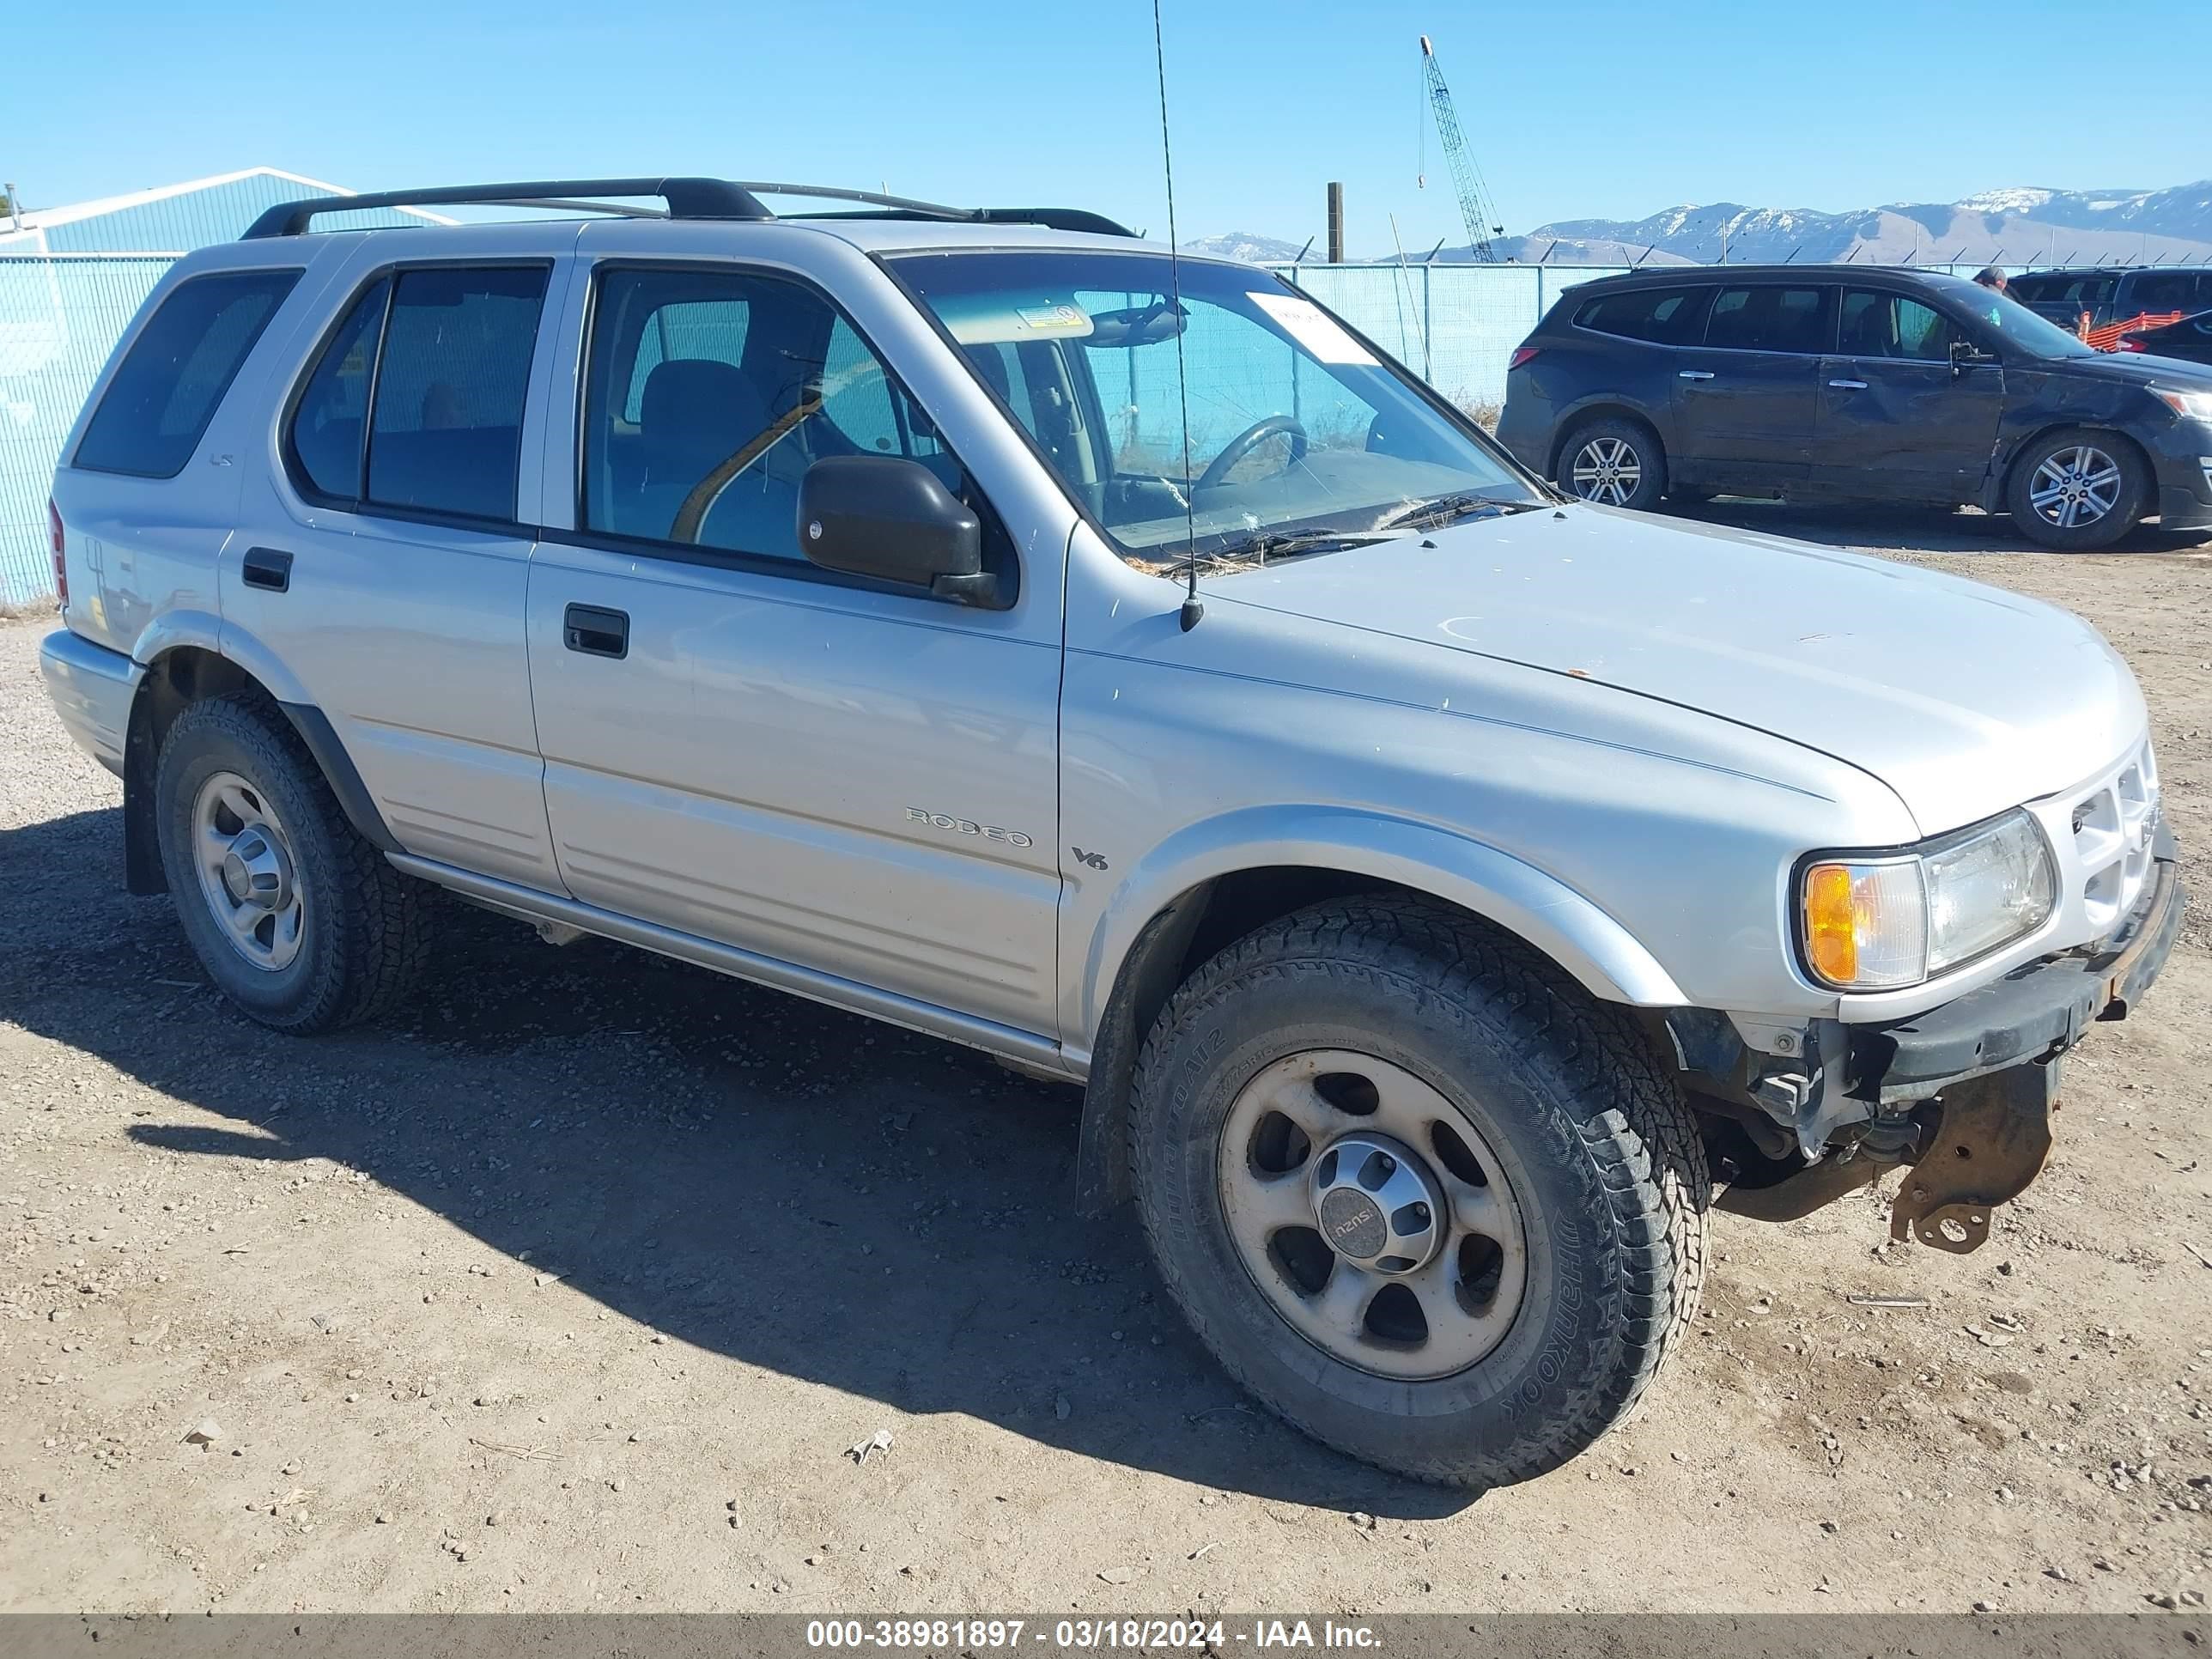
<point x="980" y="619"/>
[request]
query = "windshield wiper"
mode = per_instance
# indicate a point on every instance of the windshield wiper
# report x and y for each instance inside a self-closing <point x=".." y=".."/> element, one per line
<point x="1443" y="509"/>
<point x="1266" y="544"/>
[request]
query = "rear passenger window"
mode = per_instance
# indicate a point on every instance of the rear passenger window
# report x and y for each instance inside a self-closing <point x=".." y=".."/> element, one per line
<point x="446" y="433"/>
<point x="1770" y="318"/>
<point x="1664" y="316"/>
<point x="170" y="382"/>
<point x="443" y="355"/>
<point x="2165" y="290"/>
<point x="327" y="426"/>
<point x="708" y="396"/>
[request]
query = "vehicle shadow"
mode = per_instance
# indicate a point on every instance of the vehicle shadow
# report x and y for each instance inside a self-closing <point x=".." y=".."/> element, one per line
<point x="792" y="1187"/>
<point x="1915" y="530"/>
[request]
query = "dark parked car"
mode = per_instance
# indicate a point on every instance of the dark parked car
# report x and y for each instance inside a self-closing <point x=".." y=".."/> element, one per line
<point x="2189" y="340"/>
<point x="2110" y="293"/>
<point x="1868" y="385"/>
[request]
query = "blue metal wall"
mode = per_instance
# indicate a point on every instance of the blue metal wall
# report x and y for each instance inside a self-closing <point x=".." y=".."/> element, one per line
<point x="200" y="218"/>
<point x="59" y="319"/>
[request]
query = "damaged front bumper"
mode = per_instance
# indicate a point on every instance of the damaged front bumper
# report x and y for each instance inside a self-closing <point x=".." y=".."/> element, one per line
<point x="1963" y="1093"/>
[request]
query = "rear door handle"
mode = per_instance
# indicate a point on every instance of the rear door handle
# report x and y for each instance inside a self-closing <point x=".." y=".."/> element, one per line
<point x="596" y="632"/>
<point x="1696" y="374"/>
<point x="1849" y="385"/>
<point x="268" y="568"/>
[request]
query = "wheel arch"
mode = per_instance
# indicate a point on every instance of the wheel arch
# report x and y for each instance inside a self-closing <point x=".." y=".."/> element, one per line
<point x="1999" y="490"/>
<point x="1216" y="882"/>
<point x="184" y="666"/>
<point x="1606" y="407"/>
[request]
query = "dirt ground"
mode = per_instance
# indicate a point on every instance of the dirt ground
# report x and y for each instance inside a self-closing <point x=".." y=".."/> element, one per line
<point x="570" y="1289"/>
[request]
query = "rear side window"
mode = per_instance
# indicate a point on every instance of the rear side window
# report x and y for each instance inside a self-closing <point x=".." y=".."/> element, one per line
<point x="1769" y="317"/>
<point x="445" y="434"/>
<point x="1664" y="316"/>
<point x="416" y="402"/>
<point x="333" y="411"/>
<point x="2167" y="290"/>
<point x="171" y="380"/>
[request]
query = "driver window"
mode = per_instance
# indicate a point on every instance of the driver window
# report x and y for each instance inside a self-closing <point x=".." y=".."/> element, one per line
<point x="1877" y="325"/>
<point x="710" y="394"/>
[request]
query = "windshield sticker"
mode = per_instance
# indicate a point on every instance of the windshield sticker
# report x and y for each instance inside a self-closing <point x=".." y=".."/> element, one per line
<point x="1313" y="328"/>
<point x="992" y="319"/>
<point x="1062" y="318"/>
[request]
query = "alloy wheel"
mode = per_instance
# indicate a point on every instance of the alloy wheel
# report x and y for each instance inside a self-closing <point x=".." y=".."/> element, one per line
<point x="248" y="876"/>
<point x="1608" y="470"/>
<point x="1372" y="1214"/>
<point x="2075" y="487"/>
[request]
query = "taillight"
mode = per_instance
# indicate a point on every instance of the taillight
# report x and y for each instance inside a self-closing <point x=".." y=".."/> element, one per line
<point x="61" y="565"/>
<point x="1522" y="354"/>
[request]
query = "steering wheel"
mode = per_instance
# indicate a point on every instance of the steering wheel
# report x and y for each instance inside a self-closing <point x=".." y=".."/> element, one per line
<point x="1249" y="439"/>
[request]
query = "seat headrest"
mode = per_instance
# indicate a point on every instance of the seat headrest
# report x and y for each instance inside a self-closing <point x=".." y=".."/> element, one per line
<point x="698" y="396"/>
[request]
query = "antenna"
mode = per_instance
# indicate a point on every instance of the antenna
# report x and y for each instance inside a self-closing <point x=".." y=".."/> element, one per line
<point x="1192" y="610"/>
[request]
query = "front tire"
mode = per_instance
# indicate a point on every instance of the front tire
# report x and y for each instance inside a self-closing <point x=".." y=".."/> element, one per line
<point x="298" y="920"/>
<point x="2078" y="489"/>
<point x="1417" y="1191"/>
<point x="1614" y="463"/>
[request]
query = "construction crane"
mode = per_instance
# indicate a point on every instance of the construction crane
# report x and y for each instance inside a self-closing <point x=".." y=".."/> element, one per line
<point x="1475" y="204"/>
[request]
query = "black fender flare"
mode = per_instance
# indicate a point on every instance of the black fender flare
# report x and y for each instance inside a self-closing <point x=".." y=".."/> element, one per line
<point x="142" y="854"/>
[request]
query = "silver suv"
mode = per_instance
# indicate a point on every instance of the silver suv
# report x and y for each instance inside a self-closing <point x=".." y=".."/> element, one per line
<point x="978" y="619"/>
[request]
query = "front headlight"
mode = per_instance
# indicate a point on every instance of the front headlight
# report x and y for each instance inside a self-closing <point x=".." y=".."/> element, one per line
<point x="2196" y="406"/>
<point x="1892" y="920"/>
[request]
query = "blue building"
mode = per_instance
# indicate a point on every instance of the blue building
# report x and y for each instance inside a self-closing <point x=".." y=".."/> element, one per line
<point x="71" y="279"/>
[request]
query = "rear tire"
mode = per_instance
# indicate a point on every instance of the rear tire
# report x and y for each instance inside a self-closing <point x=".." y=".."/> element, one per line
<point x="1468" y="1055"/>
<point x="2078" y="489"/>
<point x="1611" y="462"/>
<point x="298" y="921"/>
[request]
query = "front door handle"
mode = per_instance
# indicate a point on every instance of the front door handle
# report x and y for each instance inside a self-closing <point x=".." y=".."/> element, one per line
<point x="268" y="568"/>
<point x="1696" y="374"/>
<point x="596" y="632"/>
<point x="1849" y="385"/>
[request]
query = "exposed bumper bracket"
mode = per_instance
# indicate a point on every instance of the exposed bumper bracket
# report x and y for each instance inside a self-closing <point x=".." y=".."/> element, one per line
<point x="1990" y="1141"/>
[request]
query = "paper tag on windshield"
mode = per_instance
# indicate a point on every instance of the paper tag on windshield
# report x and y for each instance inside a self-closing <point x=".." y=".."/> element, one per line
<point x="1065" y="319"/>
<point x="1312" y="328"/>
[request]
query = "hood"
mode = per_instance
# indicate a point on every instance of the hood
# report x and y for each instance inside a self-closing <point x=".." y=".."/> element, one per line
<point x="1964" y="699"/>
<point x="2130" y="368"/>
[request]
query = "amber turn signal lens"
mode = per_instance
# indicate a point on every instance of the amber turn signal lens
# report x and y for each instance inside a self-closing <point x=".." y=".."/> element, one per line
<point x="1831" y="940"/>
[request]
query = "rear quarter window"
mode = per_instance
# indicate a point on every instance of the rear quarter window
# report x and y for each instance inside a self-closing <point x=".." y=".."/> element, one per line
<point x="172" y="379"/>
<point x="1662" y="316"/>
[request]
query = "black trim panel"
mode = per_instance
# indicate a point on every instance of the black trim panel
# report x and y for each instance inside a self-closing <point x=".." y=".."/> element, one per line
<point x="322" y="740"/>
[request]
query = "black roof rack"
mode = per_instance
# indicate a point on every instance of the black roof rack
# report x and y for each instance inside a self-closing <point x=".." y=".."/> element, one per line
<point x="686" y="198"/>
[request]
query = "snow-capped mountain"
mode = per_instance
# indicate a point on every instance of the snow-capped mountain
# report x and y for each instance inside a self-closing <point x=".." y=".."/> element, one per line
<point x="2022" y="225"/>
<point x="2025" y="225"/>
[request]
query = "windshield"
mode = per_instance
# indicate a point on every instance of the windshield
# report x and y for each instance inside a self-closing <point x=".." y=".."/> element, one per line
<point x="1290" y="436"/>
<point x="2031" y="333"/>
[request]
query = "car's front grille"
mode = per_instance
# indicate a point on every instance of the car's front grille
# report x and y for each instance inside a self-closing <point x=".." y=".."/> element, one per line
<point x="2113" y="824"/>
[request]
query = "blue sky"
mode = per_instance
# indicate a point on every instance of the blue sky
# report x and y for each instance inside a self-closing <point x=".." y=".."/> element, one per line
<point x="1601" y="108"/>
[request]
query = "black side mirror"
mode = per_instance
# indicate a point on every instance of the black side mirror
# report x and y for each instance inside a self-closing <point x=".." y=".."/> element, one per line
<point x="1966" y="355"/>
<point x="891" y="519"/>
